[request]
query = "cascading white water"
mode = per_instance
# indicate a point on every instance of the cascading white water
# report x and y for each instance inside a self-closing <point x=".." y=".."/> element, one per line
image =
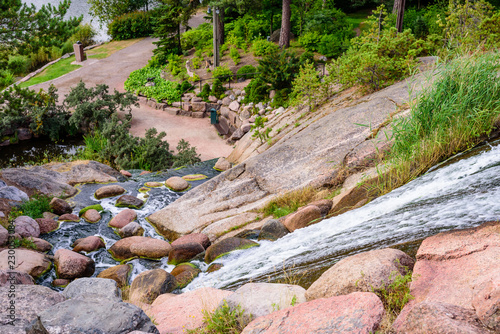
<point x="459" y="195"/>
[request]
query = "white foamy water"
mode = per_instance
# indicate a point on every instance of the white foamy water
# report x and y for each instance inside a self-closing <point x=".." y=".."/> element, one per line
<point x="460" y="195"/>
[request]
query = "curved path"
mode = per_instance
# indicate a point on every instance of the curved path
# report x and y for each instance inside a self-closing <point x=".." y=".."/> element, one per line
<point x="114" y="70"/>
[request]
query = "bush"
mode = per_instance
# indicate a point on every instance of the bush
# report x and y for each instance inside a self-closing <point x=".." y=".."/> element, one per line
<point x="18" y="64"/>
<point x="197" y="38"/>
<point x="308" y="87"/>
<point x="279" y="69"/>
<point x="235" y="56"/>
<point x="256" y="91"/>
<point x="262" y="47"/>
<point x="162" y="89"/>
<point x="6" y="78"/>
<point x="217" y="88"/>
<point x="247" y="69"/>
<point x="247" y="28"/>
<point x="186" y="155"/>
<point x="205" y="91"/>
<point x="223" y="73"/>
<point x="85" y="35"/>
<point x="34" y="207"/>
<point x="131" y="25"/>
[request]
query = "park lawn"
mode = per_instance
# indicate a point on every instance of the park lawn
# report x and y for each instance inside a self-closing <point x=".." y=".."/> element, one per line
<point x="109" y="48"/>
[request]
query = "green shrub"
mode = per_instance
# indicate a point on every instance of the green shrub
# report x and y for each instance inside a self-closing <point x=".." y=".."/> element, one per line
<point x="223" y="73"/>
<point x="279" y="69"/>
<point x="18" y="64"/>
<point x="395" y="295"/>
<point x="247" y="69"/>
<point x="261" y="47"/>
<point x="235" y="55"/>
<point x="224" y="320"/>
<point x="6" y="78"/>
<point x="217" y="88"/>
<point x="256" y="91"/>
<point x="246" y="28"/>
<point x="197" y="38"/>
<point x="186" y="155"/>
<point x="161" y="91"/>
<point x="307" y="87"/>
<point x="85" y="35"/>
<point x="310" y="41"/>
<point x="34" y="207"/>
<point x="205" y="91"/>
<point x="131" y="25"/>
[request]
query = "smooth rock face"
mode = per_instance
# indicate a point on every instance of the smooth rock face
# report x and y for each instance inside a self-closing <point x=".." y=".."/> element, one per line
<point x="30" y="300"/>
<point x="123" y="218"/>
<point x="222" y="164"/>
<point x="109" y="191"/>
<point x="226" y="246"/>
<point x="130" y="230"/>
<point x="27" y="227"/>
<point x="259" y="299"/>
<point x="184" y="274"/>
<point x="60" y="206"/>
<point x="69" y="217"/>
<point x="153" y="184"/>
<point x="139" y="247"/>
<point x="486" y="302"/>
<point x="8" y="277"/>
<point x="273" y="230"/>
<point x="47" y="225"/>
<point x="129" y="202"/>
<point x="88" y="244"/>
<point x="361" y="272"/>
<point x="177" y="313"/>
<point x="92" y="216"/>
<point x="13" y="194"/>
<point x="85" y="288"/>
<point x="100" y="316"/>
<point x="71" y="265"/>
<point x="324" y="206"/>
<point x="41" y="245"/>
<point x="150" y="284"/>
<point x="184" y="252"/>
<point x="177" y="183"/>
<point x="194" y="177"/>
<point x="27" y="261"/>
<point x="358" y="312"/>
<point x="309" y="215"/>
<point x="117" y="273"/>
<point x="200" y="238"/>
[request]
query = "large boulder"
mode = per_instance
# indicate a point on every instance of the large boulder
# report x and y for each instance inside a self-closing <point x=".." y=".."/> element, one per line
<point x="92" y="315"/>
<point x="88" y="244"/>
<point x="259" y="299"/>
<point x="26" y="227"/>
<point x="109" y="191"/>
<point x="177" y="313"/>
<point x="9" y="277"/>
<point x="72" y="265"/>
<point x="11" y="193"/>
<point x="225" y="246"/>
<point x="184" y="273"/>
<point x="200" y="238"/>
<point x="309" y="215"/>
<point x="92" y="216"/>
<point x="324" y="206"/>
<point x="47" y="225"/>
<point x="123" y="218"/>
<point x="119" y="274"/>
<point x="457" y="268"/>
<point x="30" y="300"/>
<point x="361" y="272"/>
<point x="60" y="206"/>
<point x="40" y="244"/>
<point x="184" y="252"/>
<point x="132" y="247"/>
<point x="87" y="288"/>
<point x="69" y="217"/>
<point x="129" y="201"/>
<point x="358" y="312"/>
<point x="27" y="261"/>
<point x="273" y="230"/>
<point x="150" y="284"/>
<point x="177" y="183"/>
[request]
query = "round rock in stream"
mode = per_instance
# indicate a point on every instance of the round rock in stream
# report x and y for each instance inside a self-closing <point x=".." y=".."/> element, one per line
<point x="71" y="265"/>
<point x="88" y="244"/>
<point x="226" y="246"/>
<point x="200" y="238"/>
<point x="69" y="217"/>
<point x="92" y="216"/>
<point x="47" y="225"/>
<point x="60" y="206"/>
<point x="123" y="218"/>
<point x="184" y="252"/>
<point x="131" y="247"/>
<point x="177" y="183"/>
<point x="184" y="273"/>
<point x="130" y="230"/>
<point x="30" y="262"/>
<point x="119" y="274"/>
<point x="109" y="191"/>
<point x="150" y="284"/>
<point x="26" y="227"/>
<point x="129" y="201"/>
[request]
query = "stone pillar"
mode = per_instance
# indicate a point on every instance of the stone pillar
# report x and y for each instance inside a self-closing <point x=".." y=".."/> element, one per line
<point x="79" y="53"/>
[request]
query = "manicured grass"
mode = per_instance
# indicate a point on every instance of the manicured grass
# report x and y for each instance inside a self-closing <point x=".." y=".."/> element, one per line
<point x="108" y="49"/>
<point x="54" y="71"/>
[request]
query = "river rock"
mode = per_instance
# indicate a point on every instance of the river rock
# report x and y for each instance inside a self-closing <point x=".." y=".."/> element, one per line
<point x="184" y="252"/>
<point x="125" y="173"/>
<point x="153" y="184"/>
<point x="184" y="273"/>
<point x="222" y="165"/>
<point x="234" y="106"/>
<point x="200" y="238"/>
<point x="129" y="202"/>
<point x="130" y="230"/>
<point x="324" y="206"/>
<point x="92" y="316"/>
<point x="311" y="214"/>
<point x="486" y="303"/>
<point x="11" y="193"/>
<point x="88" y="244"/>
<point x="260" y="299"/>
<point x="119" y="274"/>
<point x="273" y="230"/>
<point x="225" y="246"/>
<point x="49" y="215"/>
<point x="92" y="216"/>
<point x="361" y="272"/>
<point x="27" y="261"/>
<point x="194" y="177"/>
<point x="177" y="313"/>
<point x="130" y="247"/>
<point x="30" y="300"/>
<point x="93" y="288"/>
<point x="358" y="312"/>
<point x="60" y="206"/>
<point x="41" y="245"/>
<point x="453" y="268"/>
<point x="123" y="218"/>
<point x="26" y="227"/>
<point x="109" y="191"/>
<point x="177" y="183"/>
<point x="69" y="217"/>
<point x="213" y="267"/>
<point x="150" y="284"/>
<point x="8" y="277"/>
<point x="60" y="282"/>
<point x="4" y="236"/>
<point x="47" y="225"/>
<point x="71" y="264"/>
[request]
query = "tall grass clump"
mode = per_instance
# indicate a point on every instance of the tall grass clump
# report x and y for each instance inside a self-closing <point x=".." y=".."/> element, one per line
<point x="289" y="202"/>
<point x="455" y="113"/>
<point x="34" y="207"/>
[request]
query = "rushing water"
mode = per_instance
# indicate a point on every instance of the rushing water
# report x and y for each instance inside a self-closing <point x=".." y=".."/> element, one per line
<point x="77" y="8"/>
<point x="458" y="195"/>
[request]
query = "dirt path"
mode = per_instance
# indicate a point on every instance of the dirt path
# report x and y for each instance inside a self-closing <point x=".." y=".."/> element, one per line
<point x="114" y="70"/>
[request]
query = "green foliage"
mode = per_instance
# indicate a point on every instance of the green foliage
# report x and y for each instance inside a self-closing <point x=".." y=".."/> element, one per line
<point x="97" y="207"/>
<point x="256" y="91"/>
<point x="247" y="28"/>
<point x="261" y="47"/>
<point x="289" y="202"/>
<point x="224" y="320"/>
<point x="217" y="88"/>
<point x="307" y="87"/>
<point x="186" y="155"/>
<point x="247" y="69"/>
<point x="85" y="34"/>
<point x="197" y="38"/>
<point x="279" y="69"/>
<point x="6" y="79"/>
<point x="235" y="55"/>
<point x="395" y="295"/>
<point x="107" y="10"/>
<point x="162" y="90"/>
<point x="34" y="207"/>
<point x="94" y="144"/>
<point x="18" y="64"/>
<point x="205" y="91"/>
<point x="223" y="73"/>
<point x="259" y="131"/>
<point x="131" y="25"/>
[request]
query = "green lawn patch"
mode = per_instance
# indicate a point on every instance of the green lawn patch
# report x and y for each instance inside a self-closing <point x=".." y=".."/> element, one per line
<point x="53" y="71"/>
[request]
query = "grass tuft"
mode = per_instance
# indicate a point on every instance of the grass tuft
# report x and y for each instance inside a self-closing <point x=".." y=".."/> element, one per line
<point x="34" y="208"/>
<point x="289" y="202"/>
<point x="224" y="320"/>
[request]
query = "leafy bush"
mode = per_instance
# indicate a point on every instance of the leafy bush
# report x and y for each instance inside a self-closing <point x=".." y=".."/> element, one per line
<point x="186" y="155"/>
<point x="279" y="69"/>
<point x="205" y="91"/>
<point x="247" y="28"/>
<point x="18" y="64"/>
<point x="161" y="91"/>
<point x="308" y="86"/>
<point x="131" y="25"/>
<point x="85" y="35"/>
<point x="223" y="73"/>
<point x="6" y="78"/>
<point x="217" y="88"/>
<point x="261" y="47"/>
<point x="247" y="69"/>
<point x="235" y="56"/>
<point x="197" y="38"/>
<point x="34" y="207"/>
<point x="224" y="320"/>
<point x="256" y="91"/>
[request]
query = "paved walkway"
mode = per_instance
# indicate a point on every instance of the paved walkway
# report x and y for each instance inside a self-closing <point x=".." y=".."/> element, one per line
<point x="114" y="70"/>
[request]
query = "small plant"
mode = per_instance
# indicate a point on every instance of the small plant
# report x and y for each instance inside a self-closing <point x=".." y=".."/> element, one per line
<point x="224" y="320"/>
<point x="223" y="73"/>
<point x="259" y="131"/>
<point x="246" y="72"/>
<point x="235" y="56"/>
<point x="262" y="47"/>
<point x="289" y="202"/>
<point x="34" y="207"/>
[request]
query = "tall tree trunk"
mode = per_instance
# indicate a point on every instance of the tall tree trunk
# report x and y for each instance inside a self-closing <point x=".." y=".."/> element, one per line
<point x="285" y="25"/>
<point x="399" y="10"/>
<point x="221" y="26"/>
